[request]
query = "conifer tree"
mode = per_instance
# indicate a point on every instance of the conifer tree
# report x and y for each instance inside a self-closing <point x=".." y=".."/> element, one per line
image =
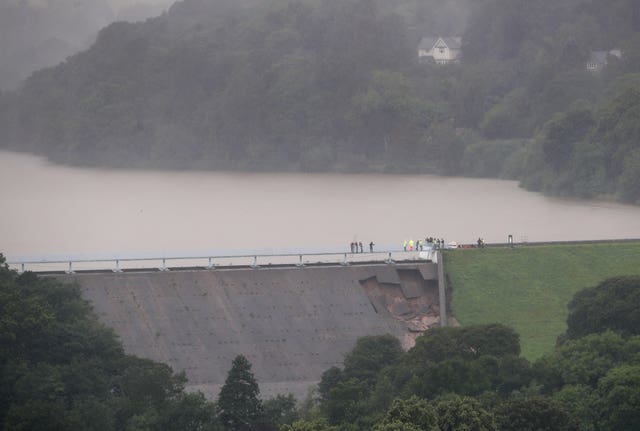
<point x="240" y="409"/>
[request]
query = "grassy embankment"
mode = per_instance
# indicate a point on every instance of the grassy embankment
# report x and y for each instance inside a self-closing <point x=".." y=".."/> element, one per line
<point x="528" y="287"/>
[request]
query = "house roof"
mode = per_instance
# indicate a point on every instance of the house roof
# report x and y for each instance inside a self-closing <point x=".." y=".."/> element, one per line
<point x="598" y="57"/>
<point x="616" y="53"/>
<point x="453" y="42"/>
<point x="427" y="43"/>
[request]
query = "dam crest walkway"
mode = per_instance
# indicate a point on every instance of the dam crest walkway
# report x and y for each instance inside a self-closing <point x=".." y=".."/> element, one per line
<point x="177" y="261"/>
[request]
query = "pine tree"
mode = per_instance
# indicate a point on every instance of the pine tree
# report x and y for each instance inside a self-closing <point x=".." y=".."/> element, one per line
<point x="240" y="409"/>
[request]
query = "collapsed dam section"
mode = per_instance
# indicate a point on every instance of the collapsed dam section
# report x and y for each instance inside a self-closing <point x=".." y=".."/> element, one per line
<point x="292" y="323"/>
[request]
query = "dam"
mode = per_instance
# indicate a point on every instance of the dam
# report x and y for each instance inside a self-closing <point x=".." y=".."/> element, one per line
<point x="292" y="322"/>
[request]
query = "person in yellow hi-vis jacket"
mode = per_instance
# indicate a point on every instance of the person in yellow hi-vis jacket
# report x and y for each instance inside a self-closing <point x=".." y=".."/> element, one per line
<point x="405" y="245"/>
<point x="411" y="245"/>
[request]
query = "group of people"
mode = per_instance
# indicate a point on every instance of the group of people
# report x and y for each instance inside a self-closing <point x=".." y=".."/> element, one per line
<point x="419" y="244"/>
<point x="357" y="247"/>
<point x="429" y="243"/>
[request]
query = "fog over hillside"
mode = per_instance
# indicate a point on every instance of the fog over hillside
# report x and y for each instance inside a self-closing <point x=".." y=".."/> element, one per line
<point x="137" y="10"/>
<point x="40" y="33"/>
<point x="340" y="86"/>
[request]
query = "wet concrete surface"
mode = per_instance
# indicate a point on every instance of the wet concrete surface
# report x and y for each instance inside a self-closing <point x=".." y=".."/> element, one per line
<point x="291" y="323"/>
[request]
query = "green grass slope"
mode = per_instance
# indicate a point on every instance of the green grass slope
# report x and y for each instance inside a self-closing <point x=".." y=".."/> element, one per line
<point x="529" y="287"/>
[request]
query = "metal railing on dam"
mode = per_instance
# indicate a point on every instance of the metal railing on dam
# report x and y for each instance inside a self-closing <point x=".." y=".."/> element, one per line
<point x="210" y="262"/>
<point x="249" y="259"/>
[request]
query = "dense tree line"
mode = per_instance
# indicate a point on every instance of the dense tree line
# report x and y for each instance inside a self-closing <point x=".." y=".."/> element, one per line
<point x="473" y="377"/>
<point x="60" y="369"/>
<point x="335" y="85"/>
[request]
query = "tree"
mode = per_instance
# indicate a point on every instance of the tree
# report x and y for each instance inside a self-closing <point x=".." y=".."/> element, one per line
<point x="240" y="409"/>
<point x="456" y="375"/>
<point x="456" y="413"/>
<point x="582" y="403"/>
<point x="512" y="373"/>
<point x="631" y="50"/>
<point x="584" y="361"/>
<point x="322" y="85"/>
<point x="389" y="114"/>
<point x="629" y="179"/>
<point x="370" y="355"/>
<point x="588" y="170"/>
<point x="613" y="304"/>
<point x="563" y="131"/>
<point x="329" y="379"/>
<point x="281" y="410"/>
<point x="186" y="412"/>
<point x="302" y="425"/>
<point x="444" y="145"/>
<point x="397" y="426"/>
<point x="468" y="342"/>
<point x="619" y="132"/>
<point x="505" y="119"/>
<point x="407" y="415"/>
<point x="533" y="414"/>
<point x="620" y="394"/>
<point x="61" y="369"/>
<point x="346" y="402"/>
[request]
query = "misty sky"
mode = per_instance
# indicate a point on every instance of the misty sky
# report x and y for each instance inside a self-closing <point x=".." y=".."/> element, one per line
<point x="119" y="5"/>
<point x="41" y="33"/>
<point x="116" y="5"/>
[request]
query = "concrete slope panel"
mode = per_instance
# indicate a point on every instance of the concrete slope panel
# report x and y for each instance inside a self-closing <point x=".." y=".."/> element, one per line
<point x="291" y="323"/>
<point x="429" y="271"/>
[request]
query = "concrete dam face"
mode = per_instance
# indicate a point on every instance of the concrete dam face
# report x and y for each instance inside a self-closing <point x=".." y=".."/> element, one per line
<point x="291" y="323"/>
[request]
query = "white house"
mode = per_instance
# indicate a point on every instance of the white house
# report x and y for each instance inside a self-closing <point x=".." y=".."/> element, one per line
<point x="599" y="59"/>
<point x="441" y="50"/>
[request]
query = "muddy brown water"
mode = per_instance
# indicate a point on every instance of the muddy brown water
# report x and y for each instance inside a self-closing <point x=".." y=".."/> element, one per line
<point x="51" y="211"/>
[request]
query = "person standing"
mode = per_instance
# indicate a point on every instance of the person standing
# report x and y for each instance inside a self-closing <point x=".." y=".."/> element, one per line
<point x="361" y="249"/>
<point x="371" y="244"/>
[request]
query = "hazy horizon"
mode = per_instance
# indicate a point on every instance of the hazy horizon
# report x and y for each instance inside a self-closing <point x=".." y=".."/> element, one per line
<point x="116" y="5"/>
<point x="35" y="34"/>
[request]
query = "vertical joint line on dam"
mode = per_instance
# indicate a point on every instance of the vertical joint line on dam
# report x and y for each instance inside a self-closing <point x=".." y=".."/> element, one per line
<point x="442" y="290"/>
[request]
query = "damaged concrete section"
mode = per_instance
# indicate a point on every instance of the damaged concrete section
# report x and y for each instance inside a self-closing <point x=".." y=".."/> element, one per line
<point x="291" y="323"/>
<point x="410" y="297"/>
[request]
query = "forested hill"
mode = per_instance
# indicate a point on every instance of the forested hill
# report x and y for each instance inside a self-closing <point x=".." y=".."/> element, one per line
<point x="335" y="85"/>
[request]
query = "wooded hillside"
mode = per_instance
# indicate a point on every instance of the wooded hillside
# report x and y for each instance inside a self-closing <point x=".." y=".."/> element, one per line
<point x="336" y="85"/>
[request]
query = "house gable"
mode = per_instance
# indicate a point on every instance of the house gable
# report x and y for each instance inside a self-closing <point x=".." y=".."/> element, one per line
<point x="442" y="50"/>
<point x="599" y="59"/>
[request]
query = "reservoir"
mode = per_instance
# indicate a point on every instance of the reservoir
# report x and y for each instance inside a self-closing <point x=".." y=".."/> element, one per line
<point x="51" y="211"/>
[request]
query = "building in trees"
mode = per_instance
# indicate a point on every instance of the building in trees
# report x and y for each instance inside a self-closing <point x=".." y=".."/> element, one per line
<point x="599" y="59"/>
<point x="441" y="50"/>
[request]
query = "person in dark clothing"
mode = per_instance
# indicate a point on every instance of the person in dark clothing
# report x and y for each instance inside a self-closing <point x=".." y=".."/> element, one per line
<point x="371" y="244"/>
<point x="361" y="249"/>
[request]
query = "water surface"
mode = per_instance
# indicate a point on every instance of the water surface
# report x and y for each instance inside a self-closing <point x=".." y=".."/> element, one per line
<point x="58" y="211"/>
